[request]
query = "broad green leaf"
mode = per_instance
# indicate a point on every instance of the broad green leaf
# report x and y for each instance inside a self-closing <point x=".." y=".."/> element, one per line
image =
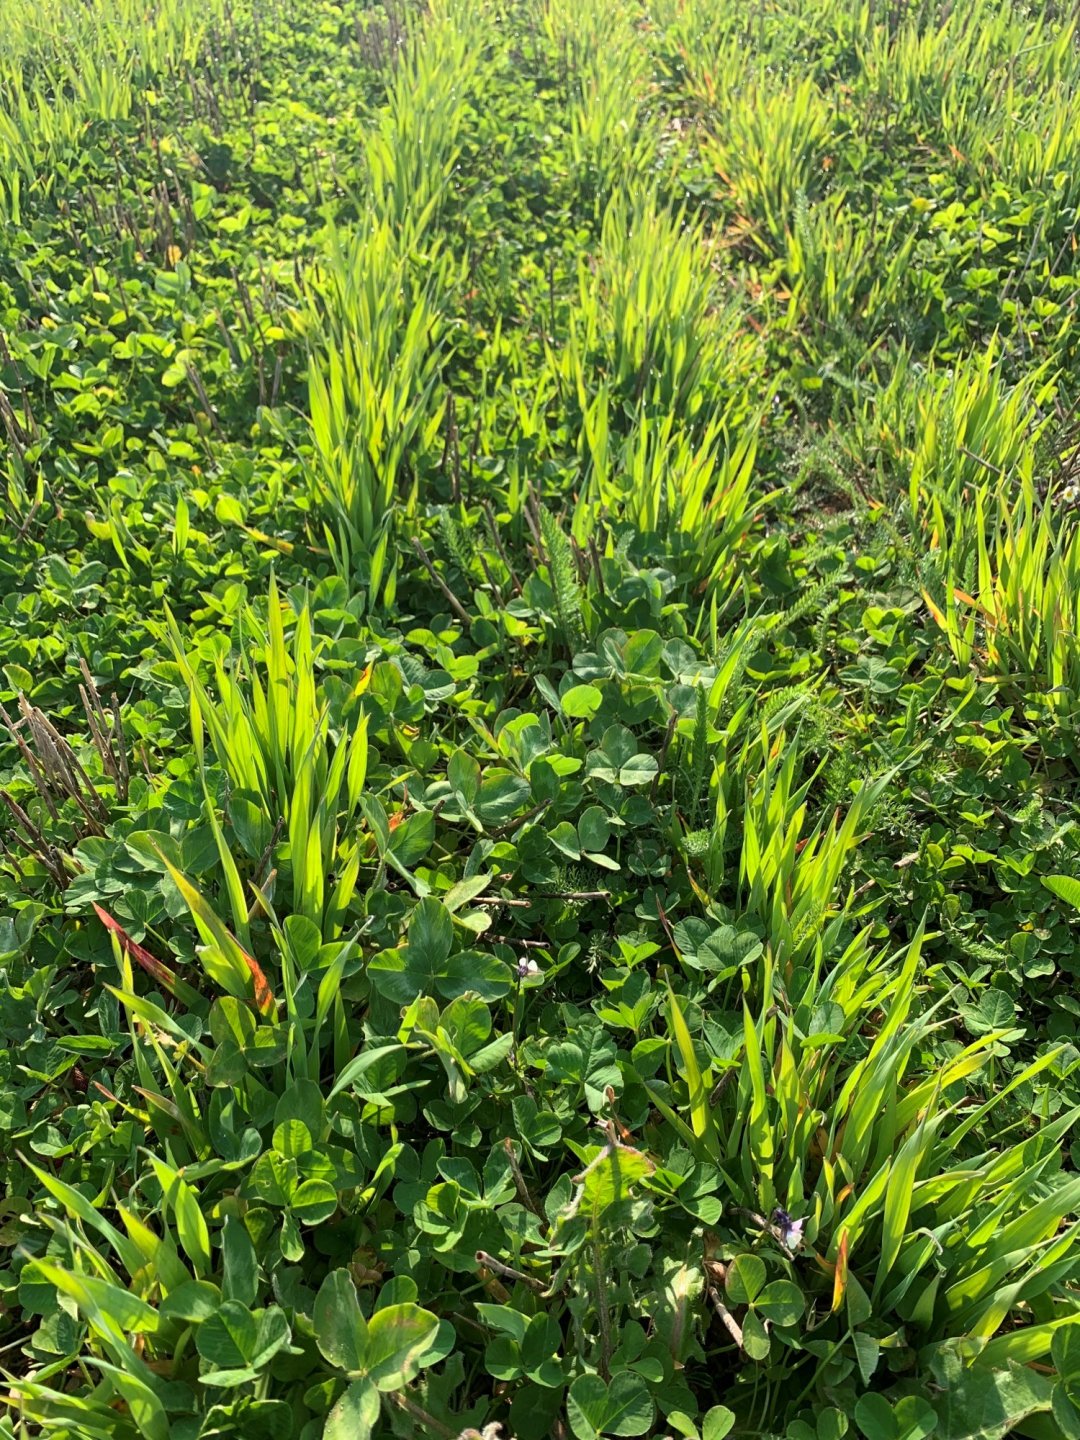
<point x="302" y="1100"/>
<point x="461" y="893"/>
<point x="397" y="1338"/>
<point x="594" y="828"/>
<point x="638" y="770"/>
<point x="745" y="1279"/>
<point x="781" y="1303"/>
<point x="473" y="971"/>
<point x="195" y="1300"/>
<point x="581" y="702"/>
<point x="340" y="1329"/>
<point x="274" y="1334"/>
<point x="756" y="1340"/>
<point x="412" y="839"/>
<point x="1065" y="887"/>
<point x="313" y="1201"/>
<point x="227" y="1338"/>
<point x="611" y="1177"/>
<point x="353" y="1416"/>
<point x="501" y="796"/>
<point x="717" y="1422"/>
<point x="595" y="1409"/>
<point x="988" y="1404"/>
<point x="503" y="1317"/>
<point x="875" y="1419"/>
<point x="431" y="935"/>
<point x="1065" y="1350"/>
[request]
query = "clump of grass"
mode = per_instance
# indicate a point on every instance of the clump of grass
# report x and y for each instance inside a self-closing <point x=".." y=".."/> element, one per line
<point x="372" y="390"/>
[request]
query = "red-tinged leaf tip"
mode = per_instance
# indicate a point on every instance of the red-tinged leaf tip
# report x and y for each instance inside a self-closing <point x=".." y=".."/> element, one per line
<point x="841" y="1273"/>
<point x="150" y="963"/>
<point x="264" y="996"/>
<point x="939" y="618"/>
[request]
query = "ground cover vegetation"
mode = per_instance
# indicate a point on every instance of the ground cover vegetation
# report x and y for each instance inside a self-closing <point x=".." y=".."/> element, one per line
<point x="540" y="675"/>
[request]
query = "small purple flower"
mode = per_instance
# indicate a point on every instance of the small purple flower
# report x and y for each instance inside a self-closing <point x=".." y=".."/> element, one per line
<point x="790" y="1231"/>
<point x="527" y="967"/>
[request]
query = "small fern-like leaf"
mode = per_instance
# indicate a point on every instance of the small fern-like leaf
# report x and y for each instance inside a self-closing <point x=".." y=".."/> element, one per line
<point x="565" y="585"/>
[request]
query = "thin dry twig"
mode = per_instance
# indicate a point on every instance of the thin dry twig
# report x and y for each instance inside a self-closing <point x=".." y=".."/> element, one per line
<point x="729" y="1321"/>
<point x="451" y="599"/>
<point x="523" y="1190"/>
<point x="507" y="1271"/>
